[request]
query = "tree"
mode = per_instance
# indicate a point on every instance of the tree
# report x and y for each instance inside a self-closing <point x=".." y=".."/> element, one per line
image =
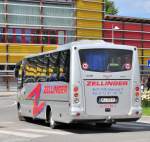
<point x="110" y="7"/>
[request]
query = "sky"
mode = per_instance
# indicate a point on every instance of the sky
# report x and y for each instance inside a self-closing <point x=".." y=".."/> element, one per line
<point x="133" y="8"/>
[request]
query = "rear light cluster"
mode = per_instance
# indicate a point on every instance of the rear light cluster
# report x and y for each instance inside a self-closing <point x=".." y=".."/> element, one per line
<point x="76" y="95"/>
<point x="137" y="93"/>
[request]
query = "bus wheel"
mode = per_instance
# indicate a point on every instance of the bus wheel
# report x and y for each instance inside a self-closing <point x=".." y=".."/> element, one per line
<point x="104" y="125"/>
<point x="53" y="123"/>
<point x="20" y="117"/>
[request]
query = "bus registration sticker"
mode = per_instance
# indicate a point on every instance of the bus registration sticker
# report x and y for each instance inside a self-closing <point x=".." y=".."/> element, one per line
<point x="127" y="66"/>
<point x="85" y="66"/>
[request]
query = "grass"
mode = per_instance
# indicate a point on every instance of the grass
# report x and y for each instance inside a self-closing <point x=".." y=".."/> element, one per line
<point x="146" y="111"/>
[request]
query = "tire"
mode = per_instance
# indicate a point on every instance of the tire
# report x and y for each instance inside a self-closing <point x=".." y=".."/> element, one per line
<point x="104" y="125"/>
<point x="53" y="124"/>
<point x="20" y="117"/>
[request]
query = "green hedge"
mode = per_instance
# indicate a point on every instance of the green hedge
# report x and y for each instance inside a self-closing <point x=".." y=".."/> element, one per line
<point x="145" y="103"/>
<point x="146" y="111"/>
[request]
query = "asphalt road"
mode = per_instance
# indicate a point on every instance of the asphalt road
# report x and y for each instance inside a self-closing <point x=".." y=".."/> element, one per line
<point x="13" y="130"/>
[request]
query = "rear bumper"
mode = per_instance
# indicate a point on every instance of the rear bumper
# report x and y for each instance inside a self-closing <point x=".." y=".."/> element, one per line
<point x="113" y="120"/>
<point x="134" y="115"/>
<point x="106" y="119"/>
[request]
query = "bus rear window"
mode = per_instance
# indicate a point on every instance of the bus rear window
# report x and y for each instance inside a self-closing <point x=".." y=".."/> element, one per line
<point x="106" y="60"/>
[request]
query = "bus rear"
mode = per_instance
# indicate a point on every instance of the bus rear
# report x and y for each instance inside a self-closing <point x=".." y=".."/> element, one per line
<point x="109" y="83"/>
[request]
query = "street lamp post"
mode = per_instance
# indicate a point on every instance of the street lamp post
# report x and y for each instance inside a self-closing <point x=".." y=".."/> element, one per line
<point x="113" y="30"/>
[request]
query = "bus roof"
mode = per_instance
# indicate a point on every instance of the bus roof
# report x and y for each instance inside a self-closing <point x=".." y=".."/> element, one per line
<point x="85" y="43"/>
<point x="100" y="43"/>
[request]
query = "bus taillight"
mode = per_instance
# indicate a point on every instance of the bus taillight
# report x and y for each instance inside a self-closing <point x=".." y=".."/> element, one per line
<point x="75" y="89"/>
<point x="76" y="95"/>
<point x="137" y="91"/>
<point x="137" y="94"/>
<point x="137" y="88"/>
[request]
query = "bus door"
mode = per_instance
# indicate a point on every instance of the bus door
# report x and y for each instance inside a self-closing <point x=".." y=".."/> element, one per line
<point x="106" y="91"/>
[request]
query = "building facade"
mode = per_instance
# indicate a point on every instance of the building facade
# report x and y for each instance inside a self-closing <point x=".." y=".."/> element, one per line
<point x="33" y="26"/>
<point x="28" y="27"/>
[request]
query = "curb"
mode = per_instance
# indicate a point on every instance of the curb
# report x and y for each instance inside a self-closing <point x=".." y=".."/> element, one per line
<point x="144" y="119"/>
<point x="145" y="116"/>
<point x="6" y="94"/>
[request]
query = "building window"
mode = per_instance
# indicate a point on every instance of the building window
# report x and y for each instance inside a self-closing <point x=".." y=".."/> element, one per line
<point x="10" y="67"/>
<point x="36" y="37"/>
<point x="14" y="35"/>
<point x="2" y="10"/>
<point x="1" y="35"/>
<point x="28" y="36"/>
<point x="2" y="67"/>
<point x="61" y="37"/>
<point x="18" y="35"/>
<point x="26" y="11"/>
<point x="50" y="37"/>
<point x="10" y="35"/>
<point x="63" y="11"/>
<point x="45" y="38"/>
<point x="53" y="37"/>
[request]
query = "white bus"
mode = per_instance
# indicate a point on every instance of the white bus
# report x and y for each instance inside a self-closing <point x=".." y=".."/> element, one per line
<point x="82" y="81"/>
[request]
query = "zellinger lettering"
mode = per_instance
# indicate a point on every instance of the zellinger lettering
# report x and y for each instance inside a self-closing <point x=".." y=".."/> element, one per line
<point x="107" y="83"/>
<point x="56" y="89"/>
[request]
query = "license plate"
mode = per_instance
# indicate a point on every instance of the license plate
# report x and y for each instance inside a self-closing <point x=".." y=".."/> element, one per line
<point x="106" y="100"/>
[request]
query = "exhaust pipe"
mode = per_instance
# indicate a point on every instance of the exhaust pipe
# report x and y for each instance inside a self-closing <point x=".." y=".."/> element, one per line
<point x="109" y="120"/>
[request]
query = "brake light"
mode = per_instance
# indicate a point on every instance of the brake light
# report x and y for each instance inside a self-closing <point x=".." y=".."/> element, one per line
<point x="76" y="89"/>
<point x="137" y="94"/>
<point x="137" y="91"/>
<point x="137" y="88"/>
<point x="76" y="95"/>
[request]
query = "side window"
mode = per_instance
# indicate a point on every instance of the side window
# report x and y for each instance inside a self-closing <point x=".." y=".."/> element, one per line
<point x="19" y="80"/>
<point x="52" y="66"/>
<point x="29" y="71"/>
<point x="41" y="68"/>
<point x="48" y="67"/>
<point x="64" y="66"/>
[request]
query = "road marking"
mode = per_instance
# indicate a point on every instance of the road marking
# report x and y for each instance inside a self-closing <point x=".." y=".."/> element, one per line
<point x="14" y="103"/>
<point x="7" y="122"/>
<point x="46" y="131"/>
<point x="11" y="105"/>
<point x="21" y="134"/>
